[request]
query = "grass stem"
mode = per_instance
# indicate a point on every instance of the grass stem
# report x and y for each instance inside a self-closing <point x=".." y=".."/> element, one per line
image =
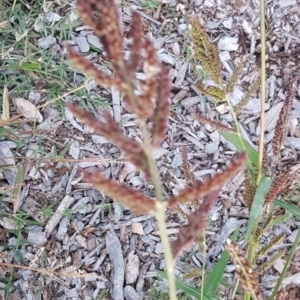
<point x="262" y="88"/>
<point x="160" y="205"/>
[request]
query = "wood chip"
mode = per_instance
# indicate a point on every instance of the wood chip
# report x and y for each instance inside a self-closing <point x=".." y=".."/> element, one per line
<point x="138" y="228"/>
<point x="114" y="249"/>
<point x="132" y="268"/>
<point x="57" y="216"/>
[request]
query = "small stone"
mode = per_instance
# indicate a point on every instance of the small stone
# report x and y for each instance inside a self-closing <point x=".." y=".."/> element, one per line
<point x="46" y="42"/>
<point x="82" y="44"/>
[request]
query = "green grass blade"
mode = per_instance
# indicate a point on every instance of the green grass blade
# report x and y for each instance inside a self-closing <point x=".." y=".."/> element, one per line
<point x="235" y="140"/>
<point x="215" y="276"/>
<point x="280" y="219"/>
<point x="293" y="209"/>
<point x="258" y="202"/>
<point x="186" y="288"/>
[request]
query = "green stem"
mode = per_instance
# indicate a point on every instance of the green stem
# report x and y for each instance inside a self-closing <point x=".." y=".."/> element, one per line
<point x="251" y="249"/>
<point x="160" y="205"/>
<point x="160" y="212"/>
<point x="262" y="87"/>
<point x="250" y="257"/>
<point x="238" y="131"/>
<point x="286" y="266"/>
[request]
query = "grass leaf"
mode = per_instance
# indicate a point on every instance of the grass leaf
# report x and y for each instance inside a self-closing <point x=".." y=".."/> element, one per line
<point x="258" y="202"/>
<point x="216" y="274"/>
<point x="235" y="140"/>
<point x="290" y="207"/>
<point x="187" y="289"/>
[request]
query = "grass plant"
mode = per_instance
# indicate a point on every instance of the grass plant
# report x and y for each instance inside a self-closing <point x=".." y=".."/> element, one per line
<point x="24" y="64"/>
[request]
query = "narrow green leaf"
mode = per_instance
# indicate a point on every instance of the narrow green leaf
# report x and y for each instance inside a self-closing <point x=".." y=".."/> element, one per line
<point x="235" y="140"/>
<point x="216" y="274"/>
<point x="280" y="219"/>
<point x="258" y="202"/>
<point x="290" y="207"/>
<point x="186" y="288"/>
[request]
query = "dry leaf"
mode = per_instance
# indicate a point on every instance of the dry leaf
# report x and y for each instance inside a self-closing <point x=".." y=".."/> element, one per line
<point x="5" y="104"/>
<point x="27" y="109"/>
